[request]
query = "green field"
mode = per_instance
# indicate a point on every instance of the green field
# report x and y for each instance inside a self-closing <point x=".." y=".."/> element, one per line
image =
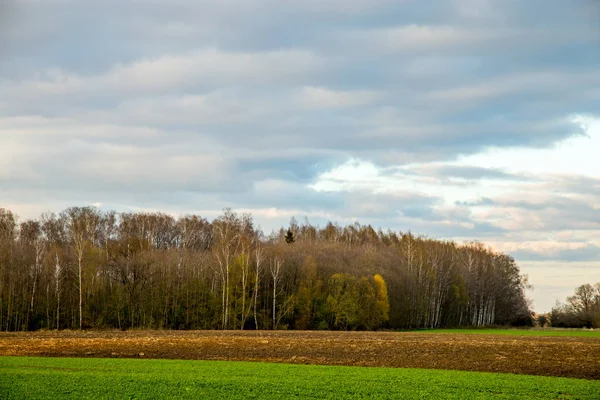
<point x="521" y="332"/>
<point x="58" y="378"/>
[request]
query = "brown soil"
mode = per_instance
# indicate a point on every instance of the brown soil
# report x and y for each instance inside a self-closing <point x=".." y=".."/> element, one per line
<point x="574" y="357"/>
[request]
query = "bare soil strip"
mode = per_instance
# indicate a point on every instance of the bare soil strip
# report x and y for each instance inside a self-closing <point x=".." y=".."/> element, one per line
<point x="573" y="357"/>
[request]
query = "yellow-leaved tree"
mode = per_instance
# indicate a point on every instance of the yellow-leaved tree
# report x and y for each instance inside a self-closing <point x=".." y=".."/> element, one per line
<point x="382" y="304"/>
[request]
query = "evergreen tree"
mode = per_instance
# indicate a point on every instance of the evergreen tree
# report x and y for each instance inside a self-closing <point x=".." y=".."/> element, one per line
<point x="289" y="236"/>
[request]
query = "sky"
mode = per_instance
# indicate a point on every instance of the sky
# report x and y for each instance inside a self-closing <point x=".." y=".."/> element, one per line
<point x="459" y="119"/>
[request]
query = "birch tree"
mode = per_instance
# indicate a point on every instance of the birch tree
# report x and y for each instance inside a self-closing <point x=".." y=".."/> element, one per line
<point x="258" y="259"/>
<point x="226" y="230"/>
<point x="275" y="267"/>
<point x="32" y="239"/>
<point x="81" y="224"/>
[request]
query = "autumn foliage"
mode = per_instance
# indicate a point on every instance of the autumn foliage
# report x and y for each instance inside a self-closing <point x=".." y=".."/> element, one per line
<point x="84" y="268"/>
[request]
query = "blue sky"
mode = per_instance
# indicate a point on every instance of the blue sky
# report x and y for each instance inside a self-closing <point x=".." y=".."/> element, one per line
<point x="461" y="119"/>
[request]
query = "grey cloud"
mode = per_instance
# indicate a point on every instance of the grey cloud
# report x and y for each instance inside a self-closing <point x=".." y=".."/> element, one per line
<point x="297" y="165"/>
<point x="466" y="172"/>
<point x="451" y="231"/>
<point x="588" y="253"/>
<point x="366" y="206"/>
<point x="546" y="212"/>
<point x="428" y="96"/>
<point x="483" y="201"/>
<point x="588" y="186"/>
<point x="557" y="212"/>
<point x="454" y="222"/>
<point x="291" y="195"/>
<point x="75" y="163"/>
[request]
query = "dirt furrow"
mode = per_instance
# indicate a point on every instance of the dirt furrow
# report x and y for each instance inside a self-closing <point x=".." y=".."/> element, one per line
<point x="552" y="356"/>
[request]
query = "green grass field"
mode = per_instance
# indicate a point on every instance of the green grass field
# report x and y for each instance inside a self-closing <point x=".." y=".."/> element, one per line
<point x="58" y="378"/>
<point x="521" y="332"/>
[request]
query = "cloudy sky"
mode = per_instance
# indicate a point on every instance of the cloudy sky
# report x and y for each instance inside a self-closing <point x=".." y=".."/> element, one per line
<point x="462" y="119"/>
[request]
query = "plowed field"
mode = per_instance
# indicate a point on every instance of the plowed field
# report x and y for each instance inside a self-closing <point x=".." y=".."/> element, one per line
<point x="575" y="357"/>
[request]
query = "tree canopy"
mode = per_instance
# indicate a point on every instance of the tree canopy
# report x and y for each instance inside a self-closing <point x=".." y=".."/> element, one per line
<point x="83" y="268"/>
<point x="581" y="310"/>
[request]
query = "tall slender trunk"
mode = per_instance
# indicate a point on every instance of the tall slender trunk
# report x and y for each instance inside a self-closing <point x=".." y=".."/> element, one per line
<point x="79" y="262"/>
<point x="243" y="304"/>
<point x="223" y="303"/>
<point x="245" y="272"/>
<point x="274" y="303"/>
<point x="256" y="284"/>
<point x="276" y="274"/>
<point x="48" y="305"/>
<point x="33" y="290"/>
<point x="227" y="298"/>
<point x="36" y="269"/>
<point x="8" y="308"/>
<point x="57" y="272"/>
<point x="255" y="301"/>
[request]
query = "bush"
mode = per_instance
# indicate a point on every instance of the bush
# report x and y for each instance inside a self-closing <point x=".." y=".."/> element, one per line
<point x="542" y="320"/>
<point x="523" y="320"/>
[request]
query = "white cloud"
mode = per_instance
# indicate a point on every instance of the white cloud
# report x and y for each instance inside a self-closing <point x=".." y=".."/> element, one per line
<point x="209" y="67"/>
<point x="424" y="37"/>
<point x="212" y="66"/>
<point x="39" y="151"/>
<point x="544" y="247"/>
<point x="319" y="97"/>
<point x="547" y="82"/>
<point x="575" y="155"/>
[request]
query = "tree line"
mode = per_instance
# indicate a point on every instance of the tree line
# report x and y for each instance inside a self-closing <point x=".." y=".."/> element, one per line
<point x="83" y="268"/>
<point x="582" y="310"/>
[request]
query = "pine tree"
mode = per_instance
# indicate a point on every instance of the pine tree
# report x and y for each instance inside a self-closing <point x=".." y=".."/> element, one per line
<point x="289" y="236"/>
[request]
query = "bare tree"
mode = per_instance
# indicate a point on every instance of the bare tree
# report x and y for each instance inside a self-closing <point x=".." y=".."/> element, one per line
<point x="258" y="258"/>
<point x="226" y="229"/>
<point x="54" y="231"/>
<point x="153" y="271"/>
<point x="81" y="226"/>
<point x="246" y="249"/>
<point x="34" y="245"/>
<point x="276" y="273"/>
<point x="58" y="276"/>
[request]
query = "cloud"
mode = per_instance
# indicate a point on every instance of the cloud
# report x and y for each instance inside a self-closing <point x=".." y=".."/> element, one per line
<point x="427" y="38"/>
<point x="574" y="155"/>
<point x="551" y="250"/>
<point x="55" y="154"/>
<point x="324" y="98"/>
<point x="465" y="172"/>
<point x="166" y="74"/>
<point x="516" y="198"/>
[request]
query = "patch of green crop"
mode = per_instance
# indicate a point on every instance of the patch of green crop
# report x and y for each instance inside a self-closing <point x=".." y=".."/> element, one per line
<point x="58" y="378"/>
<point x="521" y="332"/>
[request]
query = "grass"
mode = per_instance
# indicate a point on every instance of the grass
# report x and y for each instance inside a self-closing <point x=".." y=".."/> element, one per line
<point x="522" y="332"/>
<point x="54" y="378"/>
